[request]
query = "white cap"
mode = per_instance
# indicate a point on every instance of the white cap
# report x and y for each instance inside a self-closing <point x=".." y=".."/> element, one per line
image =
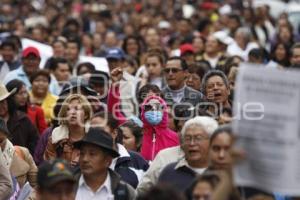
<point x="164" y="25"/>
<point x="223" y="37"/>
<point x="225" y="10"/>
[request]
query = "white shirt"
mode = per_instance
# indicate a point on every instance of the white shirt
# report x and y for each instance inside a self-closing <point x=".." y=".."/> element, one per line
<point x="104" y="192"/>
<point x="235" y="50"/>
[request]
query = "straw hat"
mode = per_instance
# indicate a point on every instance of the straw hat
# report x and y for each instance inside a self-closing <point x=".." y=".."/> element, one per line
<point x="4" y="93"/>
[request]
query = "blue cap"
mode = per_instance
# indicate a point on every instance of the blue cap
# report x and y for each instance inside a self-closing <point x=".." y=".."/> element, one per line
<point x="115" y="53"/>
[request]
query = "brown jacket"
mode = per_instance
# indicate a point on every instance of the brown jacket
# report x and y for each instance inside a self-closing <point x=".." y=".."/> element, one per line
<point x="23" y="167"/>
<point x="61" y="146"/>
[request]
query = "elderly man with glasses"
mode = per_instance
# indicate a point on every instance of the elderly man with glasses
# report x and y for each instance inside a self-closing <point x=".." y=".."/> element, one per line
<point x="194" y="142"/>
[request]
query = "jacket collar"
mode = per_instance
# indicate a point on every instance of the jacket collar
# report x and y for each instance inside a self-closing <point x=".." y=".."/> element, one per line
<point x="115" y="179"/>
<point x="124" y="155"/>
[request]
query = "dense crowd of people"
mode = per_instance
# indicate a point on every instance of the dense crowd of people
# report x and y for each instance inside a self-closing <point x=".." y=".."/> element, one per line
<point x="157" y="124"/>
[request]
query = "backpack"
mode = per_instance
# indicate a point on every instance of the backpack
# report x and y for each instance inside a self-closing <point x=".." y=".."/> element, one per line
<point x="121" y="192"/>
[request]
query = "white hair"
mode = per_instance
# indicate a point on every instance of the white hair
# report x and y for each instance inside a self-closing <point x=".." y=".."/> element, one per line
<point x="207" y="123"/>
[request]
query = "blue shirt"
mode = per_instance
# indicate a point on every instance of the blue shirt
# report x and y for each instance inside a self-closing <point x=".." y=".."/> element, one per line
<point x="22" y="76"/>
<point x="18" y="74"/>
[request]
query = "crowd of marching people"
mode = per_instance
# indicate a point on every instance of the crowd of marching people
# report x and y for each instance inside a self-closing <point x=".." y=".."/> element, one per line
<point x="153" y="121"/>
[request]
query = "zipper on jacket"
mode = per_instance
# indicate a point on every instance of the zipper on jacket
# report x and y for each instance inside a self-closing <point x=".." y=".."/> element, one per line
<point x="153" y="145"/>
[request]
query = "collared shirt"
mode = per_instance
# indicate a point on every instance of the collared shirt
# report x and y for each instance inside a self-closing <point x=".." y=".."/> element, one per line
<point x="104" y="192"/>
<point x="183" y="163"/>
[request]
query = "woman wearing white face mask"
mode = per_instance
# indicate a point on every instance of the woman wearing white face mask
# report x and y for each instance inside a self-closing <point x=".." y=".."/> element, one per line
<point x="156" y="134"/>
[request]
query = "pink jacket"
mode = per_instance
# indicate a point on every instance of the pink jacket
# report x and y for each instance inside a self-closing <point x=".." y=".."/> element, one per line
<point x="158" y="137"/>
<point x="114" y="104"/>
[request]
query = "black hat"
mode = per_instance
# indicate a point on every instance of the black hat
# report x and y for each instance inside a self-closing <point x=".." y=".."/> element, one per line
<point x="53" y="172"/>
<point x="76" y="87"/>
<point x="100" y="138"/>
<point x="3" y="127"/>
<point x="99" y="78"/>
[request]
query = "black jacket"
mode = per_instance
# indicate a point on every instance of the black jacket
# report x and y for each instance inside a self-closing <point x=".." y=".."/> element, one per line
<point x="22" y="131"/>
<point x="131" y="168"/>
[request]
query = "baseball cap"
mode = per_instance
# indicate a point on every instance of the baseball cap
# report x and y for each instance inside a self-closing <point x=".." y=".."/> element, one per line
<point x="53" y="172"/>
<point x="186" y="48"/>
<point x="115" y="53"/>
<point x="31" y="50"/>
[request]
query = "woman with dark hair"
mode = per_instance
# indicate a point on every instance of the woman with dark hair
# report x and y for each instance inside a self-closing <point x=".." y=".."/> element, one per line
<point x="40" y="94"/>
<point x="21" y="98"/>
<point x="132" y="135"/>
<point x="22" y="131"/>
<point x="220" y="148"/>
<point x="281" y="54"/>
<point x="132" y="47"/>
<point x="85" y="68"/>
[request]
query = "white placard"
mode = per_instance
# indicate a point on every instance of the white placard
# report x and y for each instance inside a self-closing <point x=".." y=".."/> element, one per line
<point x="266" y="122"/>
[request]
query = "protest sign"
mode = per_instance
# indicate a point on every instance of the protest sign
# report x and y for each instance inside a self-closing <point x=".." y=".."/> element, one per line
<point x="266" y="122"/>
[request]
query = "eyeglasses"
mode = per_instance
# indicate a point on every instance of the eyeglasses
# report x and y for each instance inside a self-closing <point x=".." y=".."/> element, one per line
<point x="153" y="107"/>
<point x="196" y="139"/>
<point x="173" y="70"/>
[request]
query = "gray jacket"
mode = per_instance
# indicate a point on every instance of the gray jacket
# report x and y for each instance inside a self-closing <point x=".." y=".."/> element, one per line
<point x="191" y="97"/>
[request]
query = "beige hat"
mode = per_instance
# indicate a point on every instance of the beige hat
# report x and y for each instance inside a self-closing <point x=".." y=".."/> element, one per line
<point x="4" y="93"/>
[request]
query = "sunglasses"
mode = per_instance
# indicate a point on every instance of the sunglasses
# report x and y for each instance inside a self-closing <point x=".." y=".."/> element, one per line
<point x="153" y="107"/>
<point x="173" y="70"/>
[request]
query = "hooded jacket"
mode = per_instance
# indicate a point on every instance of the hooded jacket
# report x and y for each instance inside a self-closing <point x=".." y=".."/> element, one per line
<point x="158" y="137"/>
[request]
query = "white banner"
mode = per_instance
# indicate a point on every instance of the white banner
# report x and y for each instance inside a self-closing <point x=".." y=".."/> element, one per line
<point x="266" y="122"/>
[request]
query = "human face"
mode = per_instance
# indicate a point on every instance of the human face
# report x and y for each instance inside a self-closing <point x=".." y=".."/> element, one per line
<point x="128" y="139"/>
<point x="198" y="44"/>
<point x="174" y="74"/>
<point x="202" y="191"/>
<point x="3" y="108"/>
<point x="62" y="72"/>
<point x="93" y="161"/>
<point x="195" y="145"/>
<point x="220" y="151"/>
<point x="72" y="51"/>
<point x="111" y="39"/>
<point x="8" y="54"/>
<point x="194" y="81"/>
<point x="152" y="38"/>
<point x="211" y="45"/>
<point x="153" y="66"/>
<point x="40" y="86"/>
<point x="216" y="90"/>
<point x="3" y="139"/>
<point x="132" y="47"/>
<point x="21" y="97"/>
<point x="115" y="63"/>
<point x="64" y="190"/>
<point x="58" y="49"/>
<point x="295" y="59"/>
<point x="75" y="113"/>
<point x="31" y="64"/>
<point x="280" y="52"/>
